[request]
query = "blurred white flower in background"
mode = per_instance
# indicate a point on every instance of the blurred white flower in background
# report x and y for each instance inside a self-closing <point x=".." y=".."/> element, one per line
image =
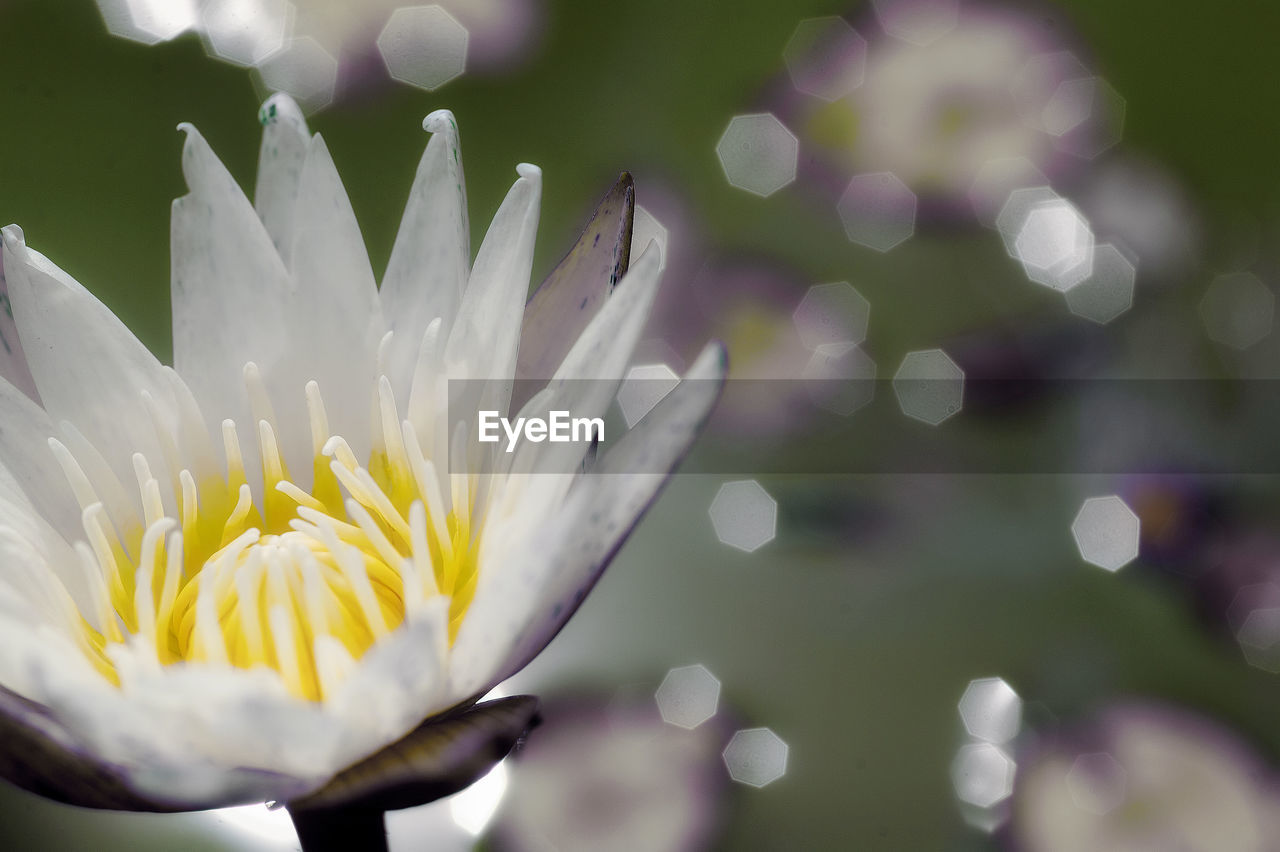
<point x="995" y="90"/>
<point x="316" y="49"/>
<point x="1146" y="778"/>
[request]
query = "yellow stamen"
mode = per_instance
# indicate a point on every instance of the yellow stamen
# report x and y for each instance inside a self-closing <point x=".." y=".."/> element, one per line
<point x="303" y="581"/>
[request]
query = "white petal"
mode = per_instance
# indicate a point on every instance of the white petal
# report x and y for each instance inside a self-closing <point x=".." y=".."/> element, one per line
<point x="13" y="361"/>
<point x="200" y="735"/>
<point x="482" y="343"/>
<point x="280" y="159"/>
<point x="604" y="349"/>
<point x="230" y="294"/>
<point x="529" y="588"/>
<point x="89" y="368"/>
<point x="431" y="258"/>
<point x="565" y="302"/>
<point x="399" y="682"/>
<point x="335" y="321"/>
<point x="588" y="378"/>
<point x="24" y="451"/>
<point x="35" y="649"/>
<point x="36" y="562"/>
<point x="203" y="735"/>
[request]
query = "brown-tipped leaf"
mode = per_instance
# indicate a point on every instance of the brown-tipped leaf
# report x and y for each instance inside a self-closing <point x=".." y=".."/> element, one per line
<point x="562" y="305"/>
<point x="439" y="758"/>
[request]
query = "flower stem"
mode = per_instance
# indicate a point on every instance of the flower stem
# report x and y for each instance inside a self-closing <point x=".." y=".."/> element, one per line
<point x="344" y="829"/>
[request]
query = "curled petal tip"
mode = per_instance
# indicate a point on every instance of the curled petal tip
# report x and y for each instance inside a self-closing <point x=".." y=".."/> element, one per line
<point x="529" y="171"/>
<point x="714" y="355"/>
<point x="651" y="253"/>
<point x="190" y="145"/>
<point x="441" y="119"/>
<point x="280" y="107"/>
<point x="13" y="236"/>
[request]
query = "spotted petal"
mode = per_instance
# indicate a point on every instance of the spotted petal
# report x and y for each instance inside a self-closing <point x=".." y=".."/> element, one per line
<point x="280" y="160"/>
<point x="577" y="288"/>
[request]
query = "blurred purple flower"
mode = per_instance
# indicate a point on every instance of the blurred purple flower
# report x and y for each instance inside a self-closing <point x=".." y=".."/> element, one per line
<point x="1145" y="777"/>
<point x="934" y="115"/>
<point x="613" y="775"/>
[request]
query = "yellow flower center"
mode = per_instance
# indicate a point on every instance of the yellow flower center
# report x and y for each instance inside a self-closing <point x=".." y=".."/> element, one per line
<point x="306" y="582"/>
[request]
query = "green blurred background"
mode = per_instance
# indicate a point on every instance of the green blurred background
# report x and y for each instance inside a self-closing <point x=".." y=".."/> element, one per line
<point x="853" y="647"/>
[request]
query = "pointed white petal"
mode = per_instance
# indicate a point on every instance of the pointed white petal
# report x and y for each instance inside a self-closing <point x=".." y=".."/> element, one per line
<point x="431" y="259"/>
<point x="280" y="159"/>
<point x="89" y="368"/>
<point x="230" y="288"/>
<point x="588" y="378"/>
<point x="563" y="305"/>
<point x="24" y="450"/>
<point x="604" y="349"/>
<point x="36" y="561"/>
<point x="13" y="361"/>
<point x="529" y="587"/>
<point x="482" y="343"/>
<point x="335" y="321"/>
<point x="330" y="261"/>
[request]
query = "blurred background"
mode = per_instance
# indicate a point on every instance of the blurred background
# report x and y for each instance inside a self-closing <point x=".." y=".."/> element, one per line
<point x="907" y="219"/>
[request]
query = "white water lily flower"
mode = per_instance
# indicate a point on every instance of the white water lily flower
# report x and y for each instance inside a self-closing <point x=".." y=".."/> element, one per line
<point x="228" y="580"/>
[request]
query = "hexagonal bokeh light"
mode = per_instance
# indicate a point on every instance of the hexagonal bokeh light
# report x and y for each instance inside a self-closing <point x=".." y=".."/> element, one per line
<point x="423" y="46"/>
<point x="643" y="388"/>
<point x="919" y="22"/>
<point x="1238" y="310"/>
<point x="758" y="153"/>
<point x="756" y="757"/>
<point x="831" y="313"/>
<point x="825" y="57"/>
<point x="982" y="774"/>
<point x="1042" y="75"/>
<point x="1055" y="245"/>
<point x="305" y="70"/>
<point x="840" y="377"/>
<point x="929" y="386"/>
<point x="1106" y="532"/>
<point x="149" y="21"/>
<point x="1086" y="115"/>
<point x="1108" y="292"/>
<point x="1259" y="638"/>
<point x="1014" y="211"/>
<point x="1069" y="107"/>
<point x="878" y="211"/>
<point x="744" y="515"/>
<point x="688" y="696"/>
<point x="245" y="32"/>
<point x="991" y="710"/>
<point x="1096" y="782"/>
